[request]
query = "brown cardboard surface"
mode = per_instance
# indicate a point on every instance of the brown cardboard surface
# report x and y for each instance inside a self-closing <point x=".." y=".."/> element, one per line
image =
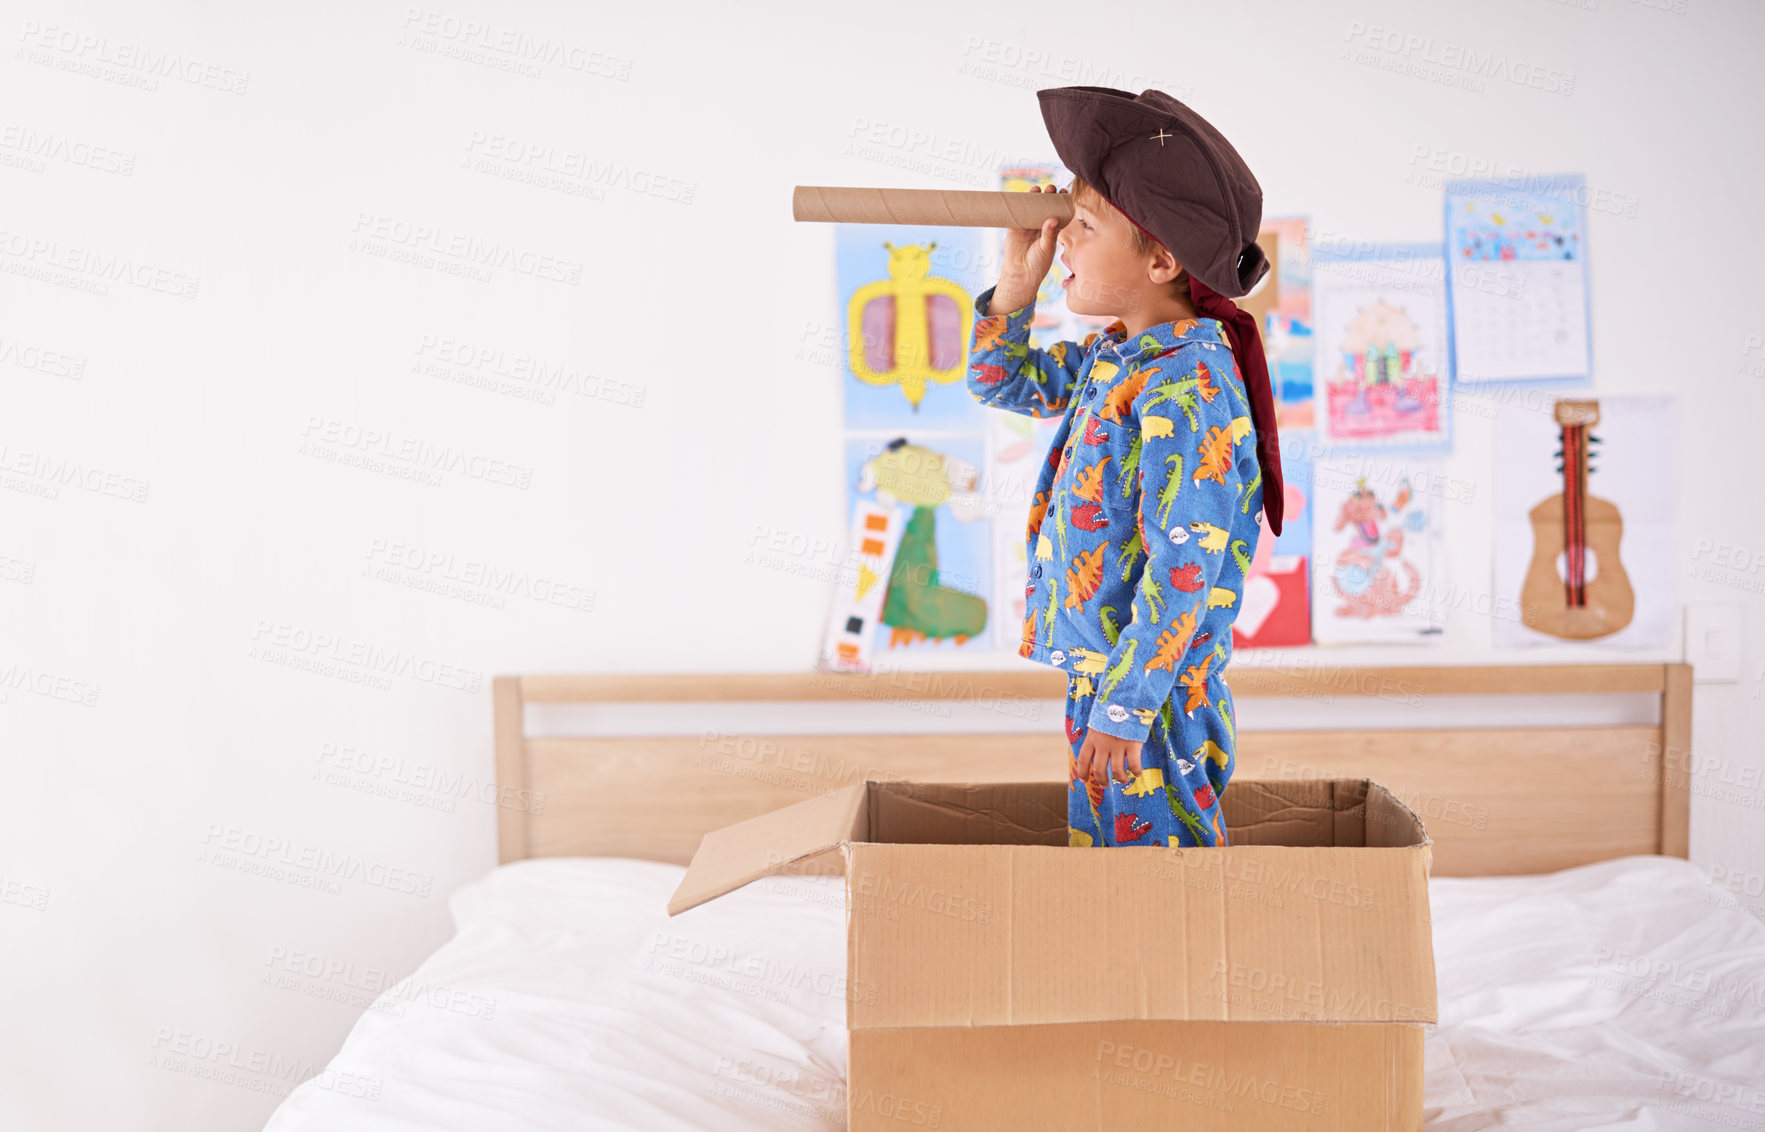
<point x="1144" y="1076"/>
<point x="999" y="978"/>
<point x="956" y="813"/>
<point x="966" y="208"/>
<point x="994" y="935"/>
<point x="1314" y="811"/>
<point x="736" y="854"/>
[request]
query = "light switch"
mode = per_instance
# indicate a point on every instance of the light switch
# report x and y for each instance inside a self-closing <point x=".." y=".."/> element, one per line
<point x="1713" y="642"/>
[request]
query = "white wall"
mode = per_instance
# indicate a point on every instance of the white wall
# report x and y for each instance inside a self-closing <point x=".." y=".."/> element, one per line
<point x="120" y="942"/>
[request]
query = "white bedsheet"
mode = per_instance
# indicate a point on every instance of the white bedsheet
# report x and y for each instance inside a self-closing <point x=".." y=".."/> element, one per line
<point x="1625" y="994"/>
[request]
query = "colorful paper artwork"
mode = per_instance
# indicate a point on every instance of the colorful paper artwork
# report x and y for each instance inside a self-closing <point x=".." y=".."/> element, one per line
<point x="1376" y="557"/>
<point x="1383" y="354"/>
<point x="939" y="578"/>
<point x="1276" y="609"/>
<point x="907" y="307"/>
<point x="1287" y="328"/>
<point x="1584" y="531"/>
<point x="1519" y="279"/>
<point x="918" y="568"/>
<point x="1365" y="344"/>
<point x="862" y="585"/>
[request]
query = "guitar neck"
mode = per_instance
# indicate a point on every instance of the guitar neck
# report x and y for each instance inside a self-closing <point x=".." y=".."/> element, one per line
<point x="1575" y="515"/>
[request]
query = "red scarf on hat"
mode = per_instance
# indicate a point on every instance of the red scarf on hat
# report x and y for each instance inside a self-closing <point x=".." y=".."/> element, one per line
<point x="1246" y="339"/>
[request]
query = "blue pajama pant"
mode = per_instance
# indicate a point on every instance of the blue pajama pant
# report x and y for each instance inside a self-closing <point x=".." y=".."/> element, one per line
<point x="1186" y="761"/>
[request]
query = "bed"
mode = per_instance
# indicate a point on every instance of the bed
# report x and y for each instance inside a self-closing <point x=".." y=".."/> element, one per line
<point x="1589" y="976"/>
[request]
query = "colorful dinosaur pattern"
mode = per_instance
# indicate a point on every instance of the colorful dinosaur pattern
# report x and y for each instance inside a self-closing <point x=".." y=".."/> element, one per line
<point x="1151" y="476"/>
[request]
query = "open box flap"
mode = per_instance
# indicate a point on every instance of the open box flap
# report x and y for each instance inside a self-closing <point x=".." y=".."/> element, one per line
<point x="737" y="854"/>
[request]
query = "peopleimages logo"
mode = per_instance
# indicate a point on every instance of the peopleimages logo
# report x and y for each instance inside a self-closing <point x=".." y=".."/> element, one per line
<point x="1415" y="49"/>
<point x="275" y="641"/>
<point x="323" y="862"/>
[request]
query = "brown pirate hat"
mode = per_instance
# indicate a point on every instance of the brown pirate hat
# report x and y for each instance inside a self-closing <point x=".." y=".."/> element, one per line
<point x="1179" y="180"/>
<point x="1168" y="171"/>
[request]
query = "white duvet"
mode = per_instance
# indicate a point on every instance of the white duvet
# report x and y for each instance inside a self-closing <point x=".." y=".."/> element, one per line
<point x="1627" y="994"/>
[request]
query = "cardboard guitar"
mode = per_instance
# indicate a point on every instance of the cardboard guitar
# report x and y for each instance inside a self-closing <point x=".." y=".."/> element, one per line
<point x="1588" y="595"/>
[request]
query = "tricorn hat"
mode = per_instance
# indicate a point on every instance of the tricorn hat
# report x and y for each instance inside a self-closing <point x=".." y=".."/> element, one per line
<point x="1170" y="172"/>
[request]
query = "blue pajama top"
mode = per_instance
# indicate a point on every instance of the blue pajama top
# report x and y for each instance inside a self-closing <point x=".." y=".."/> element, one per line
<point x="1144" y="517"/>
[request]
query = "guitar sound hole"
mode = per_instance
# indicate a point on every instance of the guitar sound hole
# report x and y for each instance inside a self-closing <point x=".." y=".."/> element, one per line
<point x="1590" y="571"/>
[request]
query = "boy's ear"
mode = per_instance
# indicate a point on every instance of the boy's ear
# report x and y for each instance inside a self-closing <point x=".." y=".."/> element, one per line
<point x="1162" y="259"/>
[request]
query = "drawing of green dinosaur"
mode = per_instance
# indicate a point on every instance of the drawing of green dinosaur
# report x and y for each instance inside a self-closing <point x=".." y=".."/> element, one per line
<point x="1130" y="462"/>
<point x="1239" y="546"/>
<point x="1130" y="551"/>
<point x="1060" y="522"/>
<point x="1182" y="392"/>
<point x="1249" y="490"/>
<point x="1154" y="596"/>
<point x="1053" y="604"/>
<point x="1226" y="718"/>
<point x="1167" y="494"/>
<point x="1120" y="670"/>
<point x="917" y="602"/>
<point x="1106" y="618"/>
<point x="1237" y="396"/>
<point x="1183" y="815"/>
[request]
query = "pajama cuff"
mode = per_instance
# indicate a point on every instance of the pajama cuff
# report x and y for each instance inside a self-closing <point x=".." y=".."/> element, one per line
<point x="1129" y="728"/>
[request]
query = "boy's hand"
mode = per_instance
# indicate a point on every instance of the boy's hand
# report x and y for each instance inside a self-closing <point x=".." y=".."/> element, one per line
<point x="1029" y="253"/>
<point x="1099" y="751"/>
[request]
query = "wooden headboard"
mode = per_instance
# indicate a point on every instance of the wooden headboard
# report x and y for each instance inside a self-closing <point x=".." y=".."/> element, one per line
<point x="1496" y="797"/>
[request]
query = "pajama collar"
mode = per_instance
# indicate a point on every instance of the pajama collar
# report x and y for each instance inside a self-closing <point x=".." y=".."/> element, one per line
<point x="1156" y="340"/>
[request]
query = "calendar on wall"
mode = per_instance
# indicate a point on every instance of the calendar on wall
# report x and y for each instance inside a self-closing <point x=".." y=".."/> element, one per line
<point x="1517" y="278"/>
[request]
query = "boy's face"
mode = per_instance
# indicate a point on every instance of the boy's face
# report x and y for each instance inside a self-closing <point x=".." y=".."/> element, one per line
<point x="1106" y="275"/>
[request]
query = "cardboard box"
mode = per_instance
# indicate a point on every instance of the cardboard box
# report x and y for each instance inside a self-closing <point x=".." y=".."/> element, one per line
<point x="998" y="978"/>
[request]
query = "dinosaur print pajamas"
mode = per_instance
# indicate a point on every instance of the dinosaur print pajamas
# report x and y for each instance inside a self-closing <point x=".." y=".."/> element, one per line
<point x="1140" y="533"/>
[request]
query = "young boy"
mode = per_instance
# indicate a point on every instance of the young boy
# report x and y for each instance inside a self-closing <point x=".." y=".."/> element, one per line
<point x="1144" y="518"/>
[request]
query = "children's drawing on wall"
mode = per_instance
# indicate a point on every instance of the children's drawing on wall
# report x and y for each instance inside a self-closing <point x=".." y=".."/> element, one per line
<point x="1584" y="502"/>
<point x="907" y="307"/>
<point x="861" y="585"/>
<point x="1375" y="550"/>
<point x="1287" y="329"/>
<point x="1382" y="346"/>
<point x="1519" y="279"/>
<point x="942" y="563"/>
<point x="1276" y="610"/>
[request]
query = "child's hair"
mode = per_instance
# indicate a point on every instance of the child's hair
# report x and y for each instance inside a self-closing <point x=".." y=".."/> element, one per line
<point x="1143" y="244"/>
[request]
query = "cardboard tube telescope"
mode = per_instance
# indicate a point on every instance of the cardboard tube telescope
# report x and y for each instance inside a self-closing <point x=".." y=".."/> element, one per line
<point x="957" y="208"/>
